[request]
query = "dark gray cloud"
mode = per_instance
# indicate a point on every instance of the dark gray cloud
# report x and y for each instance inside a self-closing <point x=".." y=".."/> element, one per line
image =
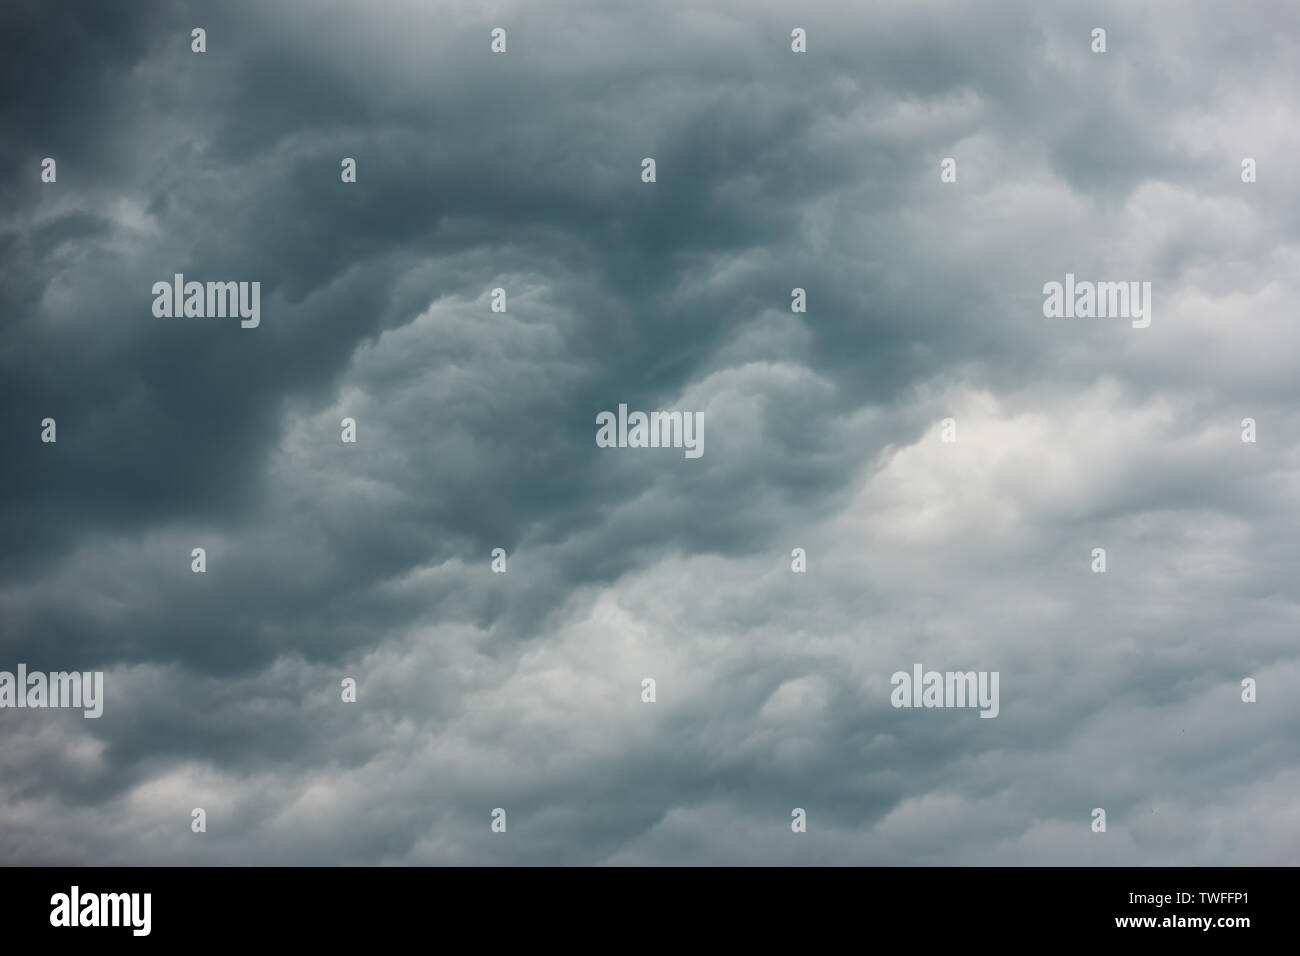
<point x="476" y="431"/>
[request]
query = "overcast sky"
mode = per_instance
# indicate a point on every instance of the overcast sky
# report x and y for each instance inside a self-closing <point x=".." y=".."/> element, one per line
<point x="475" y="431"/>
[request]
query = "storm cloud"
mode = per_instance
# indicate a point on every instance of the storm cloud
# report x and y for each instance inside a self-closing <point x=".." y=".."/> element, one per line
<point x="823" y="432"/>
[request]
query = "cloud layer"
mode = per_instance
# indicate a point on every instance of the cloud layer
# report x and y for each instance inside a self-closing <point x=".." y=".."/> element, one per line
<point x="476" y="431"/>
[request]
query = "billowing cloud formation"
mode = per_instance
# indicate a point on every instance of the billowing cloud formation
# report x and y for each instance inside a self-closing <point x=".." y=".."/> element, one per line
<point x="475" y="431"/>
